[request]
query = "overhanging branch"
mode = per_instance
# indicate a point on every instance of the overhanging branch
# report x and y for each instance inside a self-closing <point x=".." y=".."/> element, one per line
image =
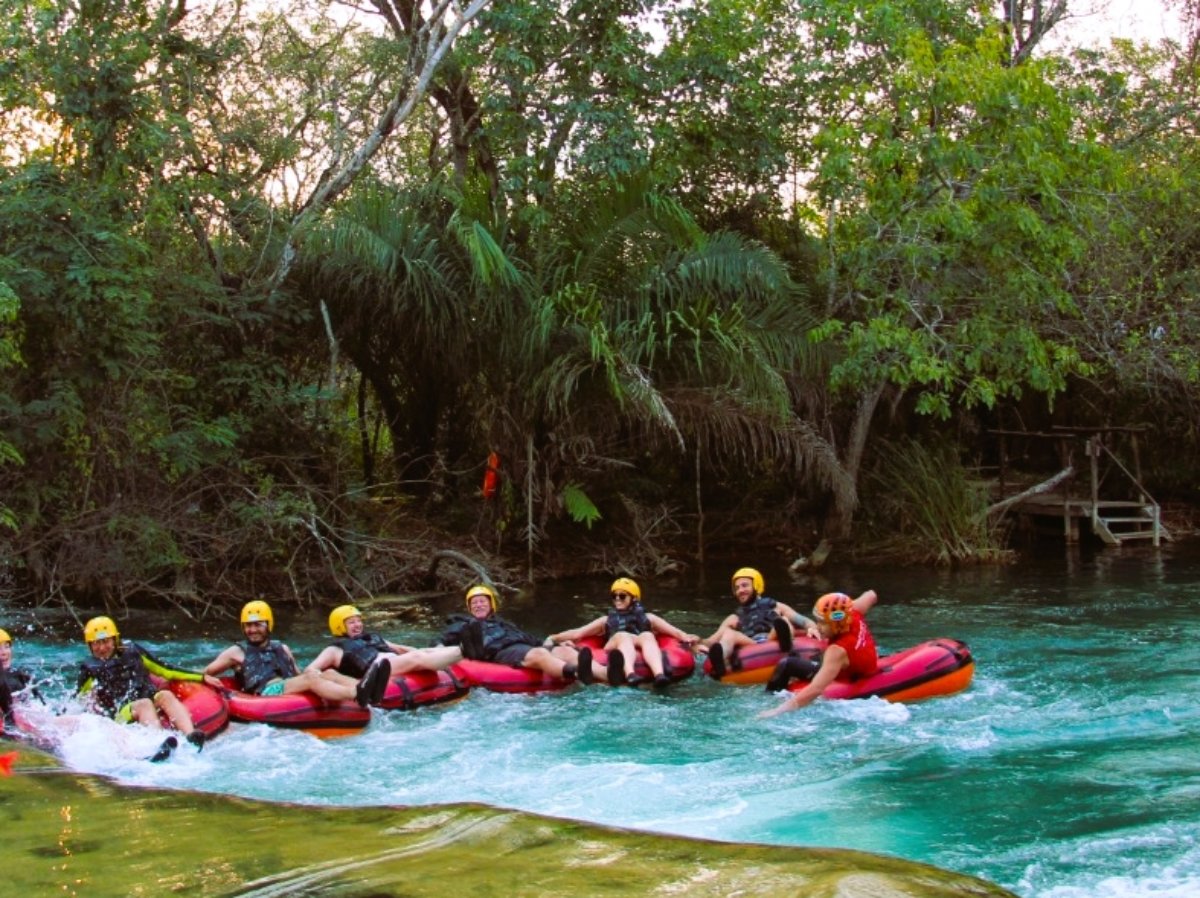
<point x="430" y="44"/>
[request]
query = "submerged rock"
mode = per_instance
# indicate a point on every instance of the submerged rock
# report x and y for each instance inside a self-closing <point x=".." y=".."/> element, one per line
<point x="158" y="842"/>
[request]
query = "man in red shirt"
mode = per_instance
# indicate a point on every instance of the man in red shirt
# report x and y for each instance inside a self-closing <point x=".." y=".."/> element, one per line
<point x="851" y="651"/>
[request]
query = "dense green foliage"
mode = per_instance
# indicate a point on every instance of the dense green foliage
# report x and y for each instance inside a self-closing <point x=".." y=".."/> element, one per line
<point x="274" y="282"/>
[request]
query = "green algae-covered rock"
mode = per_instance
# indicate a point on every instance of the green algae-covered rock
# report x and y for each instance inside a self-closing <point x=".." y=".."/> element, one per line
<point x="78" y="835"/>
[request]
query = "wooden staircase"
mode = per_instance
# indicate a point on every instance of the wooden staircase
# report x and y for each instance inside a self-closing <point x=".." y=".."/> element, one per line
<point x="1133" y="520"/>
<point x="1119" y="522"/>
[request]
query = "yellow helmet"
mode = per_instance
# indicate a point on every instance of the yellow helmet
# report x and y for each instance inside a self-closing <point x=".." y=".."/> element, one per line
<point x="834" y="609"/>
<point x="100" y="628"/>
<point x="338" y="616"/>
<point x="4" y="637"/>
<point x="755" y="577"/>
<point x="483" y="590"/>
<point x="258" y="610"/>
<point x="624" y="584"/>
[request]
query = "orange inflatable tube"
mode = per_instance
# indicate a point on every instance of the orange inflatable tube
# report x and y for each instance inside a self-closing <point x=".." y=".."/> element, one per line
<point x="752" y="665"/>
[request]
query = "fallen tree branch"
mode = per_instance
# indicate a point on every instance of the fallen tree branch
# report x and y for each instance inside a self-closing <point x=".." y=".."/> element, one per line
<point x="481" y="572"/>
<point x="1044" y="487"/>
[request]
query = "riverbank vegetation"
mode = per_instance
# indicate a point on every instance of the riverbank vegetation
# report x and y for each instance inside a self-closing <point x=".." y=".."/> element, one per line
<point x="276" y="280"/>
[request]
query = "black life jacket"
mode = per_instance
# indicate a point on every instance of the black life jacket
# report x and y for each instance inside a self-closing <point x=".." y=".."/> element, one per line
<point x="631" y="620"/>
<point x="117" y="681"/>
<point x="498" y="634"/>
<point x="452" y="634"/>
<point x="14" y="679"/>
<point x="263" y="664"/>
<point x="359" y="652"/>
<point x="756" y="616"/>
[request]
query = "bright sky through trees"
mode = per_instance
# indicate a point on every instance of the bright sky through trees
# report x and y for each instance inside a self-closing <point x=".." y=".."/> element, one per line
<point x="1147" y="20"/>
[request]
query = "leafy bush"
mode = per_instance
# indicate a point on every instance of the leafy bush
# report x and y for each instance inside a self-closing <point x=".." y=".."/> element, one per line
<point x="923" y="506"/>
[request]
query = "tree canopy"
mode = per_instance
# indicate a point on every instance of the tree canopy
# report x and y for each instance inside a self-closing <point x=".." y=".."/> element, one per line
<point x="275" y="280"/>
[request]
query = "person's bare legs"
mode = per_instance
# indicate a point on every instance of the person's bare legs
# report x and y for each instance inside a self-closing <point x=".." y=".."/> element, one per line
<point x="651" y="653"/>
<point x="437" y="658"/>
<point x="179" y="716"/>
<point x="145" y="713"/>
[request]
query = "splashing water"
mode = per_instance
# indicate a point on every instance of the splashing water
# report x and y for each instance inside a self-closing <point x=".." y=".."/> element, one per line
<point x="1070" y="768"/>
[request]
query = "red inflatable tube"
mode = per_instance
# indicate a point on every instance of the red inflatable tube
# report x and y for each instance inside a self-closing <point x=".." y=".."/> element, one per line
<point x="933" y="668"/>
<point x="206" y="705"/>
<point x="678" y="661"/>
<point x="298" y="711"/>
<point x="502" y="678"/>
<point x="423" y="687"/>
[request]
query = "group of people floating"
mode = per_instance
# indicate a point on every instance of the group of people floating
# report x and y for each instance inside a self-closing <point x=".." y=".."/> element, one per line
<point x="115" y="679"/>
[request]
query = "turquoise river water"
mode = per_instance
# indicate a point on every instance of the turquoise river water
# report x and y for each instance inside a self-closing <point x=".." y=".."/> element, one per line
<point x="1070" y="768"/>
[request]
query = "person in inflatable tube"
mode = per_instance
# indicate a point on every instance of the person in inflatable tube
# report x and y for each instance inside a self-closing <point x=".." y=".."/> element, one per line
<point x="355" y="653"/>
<point x="116" y="682"/>
<point x="758" y="618"/>
<point x="851" y="651"/>
<point x="265" y="666"/>
<point x="13" y="681"/>
<point x="626" y="629"/>
<point x="483" y="635"/>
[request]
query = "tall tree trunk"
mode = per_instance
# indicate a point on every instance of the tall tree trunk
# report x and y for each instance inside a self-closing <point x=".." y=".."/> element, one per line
<point x="364" y="435"/>
<point x="845" y="499"/>
<point x="425" y="407"/>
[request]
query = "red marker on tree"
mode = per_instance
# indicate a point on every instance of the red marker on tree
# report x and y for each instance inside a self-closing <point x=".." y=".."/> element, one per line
<point x="491" y="476"/>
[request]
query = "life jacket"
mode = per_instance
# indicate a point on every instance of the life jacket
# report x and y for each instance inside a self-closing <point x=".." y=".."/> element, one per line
<point x="358" y="653"/>
<point x="12" y="681"/>
<point x="117" y="681"/>
<point x="756" y="616"/>
<point x="15" y="679"/>
<point x="859" y="646"/>
<point x="498" y="634"/>
<point x="632" y="620"/>
<point x="262" y="664"/>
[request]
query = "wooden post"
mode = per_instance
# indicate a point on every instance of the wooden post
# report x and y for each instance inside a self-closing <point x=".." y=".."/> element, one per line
<point x="1137" y="470"/>
<point x="699" y="511"/>
<point x="529" y="503"/>
<point x="1003" y="465"/>
<point x="1093" y="451"/>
